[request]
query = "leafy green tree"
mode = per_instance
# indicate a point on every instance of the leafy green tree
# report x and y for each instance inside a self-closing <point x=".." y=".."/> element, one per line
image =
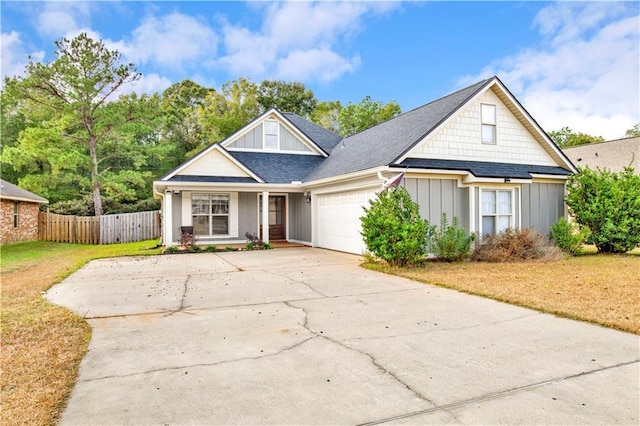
<point x="286" y="96"/>
<point x="180" y="104"/>
<point x="355" y="118"/>
<point x="327" y="114"/>
<point x="607" y="203"/>
<point x="565" y="138"/>
<point x="224" y="113"/>
<point x="633" y="132"/>
<point x="393" y="229"/>
<point x="74" y="88"/>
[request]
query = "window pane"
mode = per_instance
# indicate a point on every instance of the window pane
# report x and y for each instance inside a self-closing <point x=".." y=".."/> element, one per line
<point x="200" y="204"/>
<point x="504" y="202"/>
<point x="504" y="222"/>
<point x="220" y="225"/>
<point x="220" y="204"/>
<point x="488" y="133"/>
<point x="488" y="225"/>
<point x="270" y="141"/>
<point x="488" y="114"/>
<point x="270" y="128"/>
<point x="488" y="202"/>
<point x="200" y="225"/>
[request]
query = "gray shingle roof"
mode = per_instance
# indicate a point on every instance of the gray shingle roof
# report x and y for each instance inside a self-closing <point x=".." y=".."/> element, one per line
<point x="614" y="155"/>
<point x="384" y="143"/>
<point x="278" y="168"/>
<point x="10" y="191"/>
<point x="485" y="169"/>
<point x="322" y="137"/>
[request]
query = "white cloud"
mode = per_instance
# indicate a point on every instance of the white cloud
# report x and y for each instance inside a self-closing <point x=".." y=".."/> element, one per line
<point x="148" y="83"/>
<point x="174" y="41"/>
<point x="586" y="76"/>
<point x="14" y="55"/>
<point x="297" y="40"/>
<point x="59" y="18"/>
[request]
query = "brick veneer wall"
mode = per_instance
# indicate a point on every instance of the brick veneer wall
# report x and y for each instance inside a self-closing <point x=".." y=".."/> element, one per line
<point x="27" y="229"/>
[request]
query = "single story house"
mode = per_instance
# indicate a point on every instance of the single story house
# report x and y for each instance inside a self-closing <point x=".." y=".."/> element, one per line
<point x="19" y="213"/>
<point x="476" y="154"/>
<point x="613" y="155"/>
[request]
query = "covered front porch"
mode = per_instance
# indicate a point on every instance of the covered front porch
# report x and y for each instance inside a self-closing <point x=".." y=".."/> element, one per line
<point x="224" y="216"/>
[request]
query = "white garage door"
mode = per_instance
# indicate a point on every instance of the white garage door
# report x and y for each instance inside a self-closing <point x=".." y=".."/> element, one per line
<point x="339" y="220"/>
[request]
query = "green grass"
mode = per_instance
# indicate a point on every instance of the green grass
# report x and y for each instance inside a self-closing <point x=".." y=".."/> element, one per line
<point x="42" y="344"/>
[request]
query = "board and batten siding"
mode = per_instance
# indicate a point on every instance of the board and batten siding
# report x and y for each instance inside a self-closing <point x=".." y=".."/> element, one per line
<point x="247" y="213"/>
<point x="253" y="139"/>
<point x="542" y="205"/>
<point x="437" y="196"/>
<point x="299" y="218"/>
<point x="250" y="140"/>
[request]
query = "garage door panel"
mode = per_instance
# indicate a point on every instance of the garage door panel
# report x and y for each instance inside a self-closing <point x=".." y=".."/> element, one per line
<point x="339" y="220"/>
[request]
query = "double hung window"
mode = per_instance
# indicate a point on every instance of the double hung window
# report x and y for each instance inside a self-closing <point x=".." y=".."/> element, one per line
<point x="497" y="211"/>
<point x="210" y="214"/>
<point x="16" y="210"/>
<point x="488" y="117"/>
<point x="271" y="134"/>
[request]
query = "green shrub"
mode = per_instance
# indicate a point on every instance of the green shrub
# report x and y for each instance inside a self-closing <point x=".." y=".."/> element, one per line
<point x="450" y="242"/>
<point x="171" y="250"/>
<point x="211" y="249"/>
<point x="393" y="229"/>
<point x="568" y="237"/>
<point x="228" y="248"/>
<point x="513" y="245"/>
<point x="608" y="204"/>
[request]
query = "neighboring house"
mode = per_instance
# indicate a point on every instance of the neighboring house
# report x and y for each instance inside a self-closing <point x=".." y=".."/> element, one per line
<point x="614" y="155"/>
<point x="476" y="154"/>
<point x="19" y="213"/>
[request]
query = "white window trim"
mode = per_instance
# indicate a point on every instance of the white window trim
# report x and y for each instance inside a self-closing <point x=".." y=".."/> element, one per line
<point x="187" y="219"/>
<point x="512" y="215"/>
<point x="264" y="135"/>
<point x="494" y="124"/>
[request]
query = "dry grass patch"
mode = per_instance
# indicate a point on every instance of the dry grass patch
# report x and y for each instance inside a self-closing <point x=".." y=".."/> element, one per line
<point x="42" y="344"/>
<point x="603" y="289"/>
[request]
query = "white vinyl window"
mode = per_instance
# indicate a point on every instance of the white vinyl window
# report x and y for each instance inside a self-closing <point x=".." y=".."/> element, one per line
<point x="488" y="117"/>
<point x="271" y="134"/>
<point x="497" y="211"/>
<point x="210" y="214"/>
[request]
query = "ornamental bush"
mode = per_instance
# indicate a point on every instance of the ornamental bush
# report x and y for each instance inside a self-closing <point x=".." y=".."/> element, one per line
<point x="450" y="242"/>
<point x="393" y="229"/>
<point x="607" y="203"/>
<point x="568" y="237"/>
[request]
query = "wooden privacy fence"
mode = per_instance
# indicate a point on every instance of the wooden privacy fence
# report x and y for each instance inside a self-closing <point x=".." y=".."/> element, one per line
<point x="106" y="229"/>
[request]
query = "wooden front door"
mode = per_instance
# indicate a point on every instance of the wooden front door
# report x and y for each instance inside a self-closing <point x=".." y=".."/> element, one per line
<point x="277" y="218"/>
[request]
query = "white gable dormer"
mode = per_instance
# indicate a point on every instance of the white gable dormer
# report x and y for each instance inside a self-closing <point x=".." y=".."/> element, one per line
<point x="490" y="127"/>
<point x="272" y="133"/>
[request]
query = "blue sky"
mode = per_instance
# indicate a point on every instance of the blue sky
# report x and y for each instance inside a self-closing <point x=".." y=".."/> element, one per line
<point x="570" y="63"/>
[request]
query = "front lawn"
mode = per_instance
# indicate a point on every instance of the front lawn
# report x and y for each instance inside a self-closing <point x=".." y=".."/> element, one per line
<point x="603" y="289"/>
<point x="42" y="344"/>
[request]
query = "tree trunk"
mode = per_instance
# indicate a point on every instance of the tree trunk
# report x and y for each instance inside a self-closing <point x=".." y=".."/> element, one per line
<point x="97" y="198"/>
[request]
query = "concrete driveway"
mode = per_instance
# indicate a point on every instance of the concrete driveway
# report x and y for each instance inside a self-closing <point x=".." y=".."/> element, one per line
<point x="305" y="336"/>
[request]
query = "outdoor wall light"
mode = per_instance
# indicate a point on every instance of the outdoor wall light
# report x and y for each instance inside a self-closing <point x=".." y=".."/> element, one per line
<point x="307" y="197"/>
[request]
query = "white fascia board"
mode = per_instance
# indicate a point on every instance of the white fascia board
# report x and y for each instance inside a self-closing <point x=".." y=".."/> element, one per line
<point x="221" y="150"/>
<point x="470" y="178"/>
<point x="29" y="200"/>
<point x="547" y="177"/>
<point x="430" y="171"/>
<point x="161" y="186"/>
<point x="344" y="178"/>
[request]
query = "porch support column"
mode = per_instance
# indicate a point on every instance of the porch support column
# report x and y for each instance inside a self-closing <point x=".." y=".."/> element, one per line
<point x="265" y="216"/>
<point x="167" y="218"/>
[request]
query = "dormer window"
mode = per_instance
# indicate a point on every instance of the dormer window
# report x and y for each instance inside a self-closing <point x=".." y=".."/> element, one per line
<point x="270" y="134"/>
<point x="488" y="118"/>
